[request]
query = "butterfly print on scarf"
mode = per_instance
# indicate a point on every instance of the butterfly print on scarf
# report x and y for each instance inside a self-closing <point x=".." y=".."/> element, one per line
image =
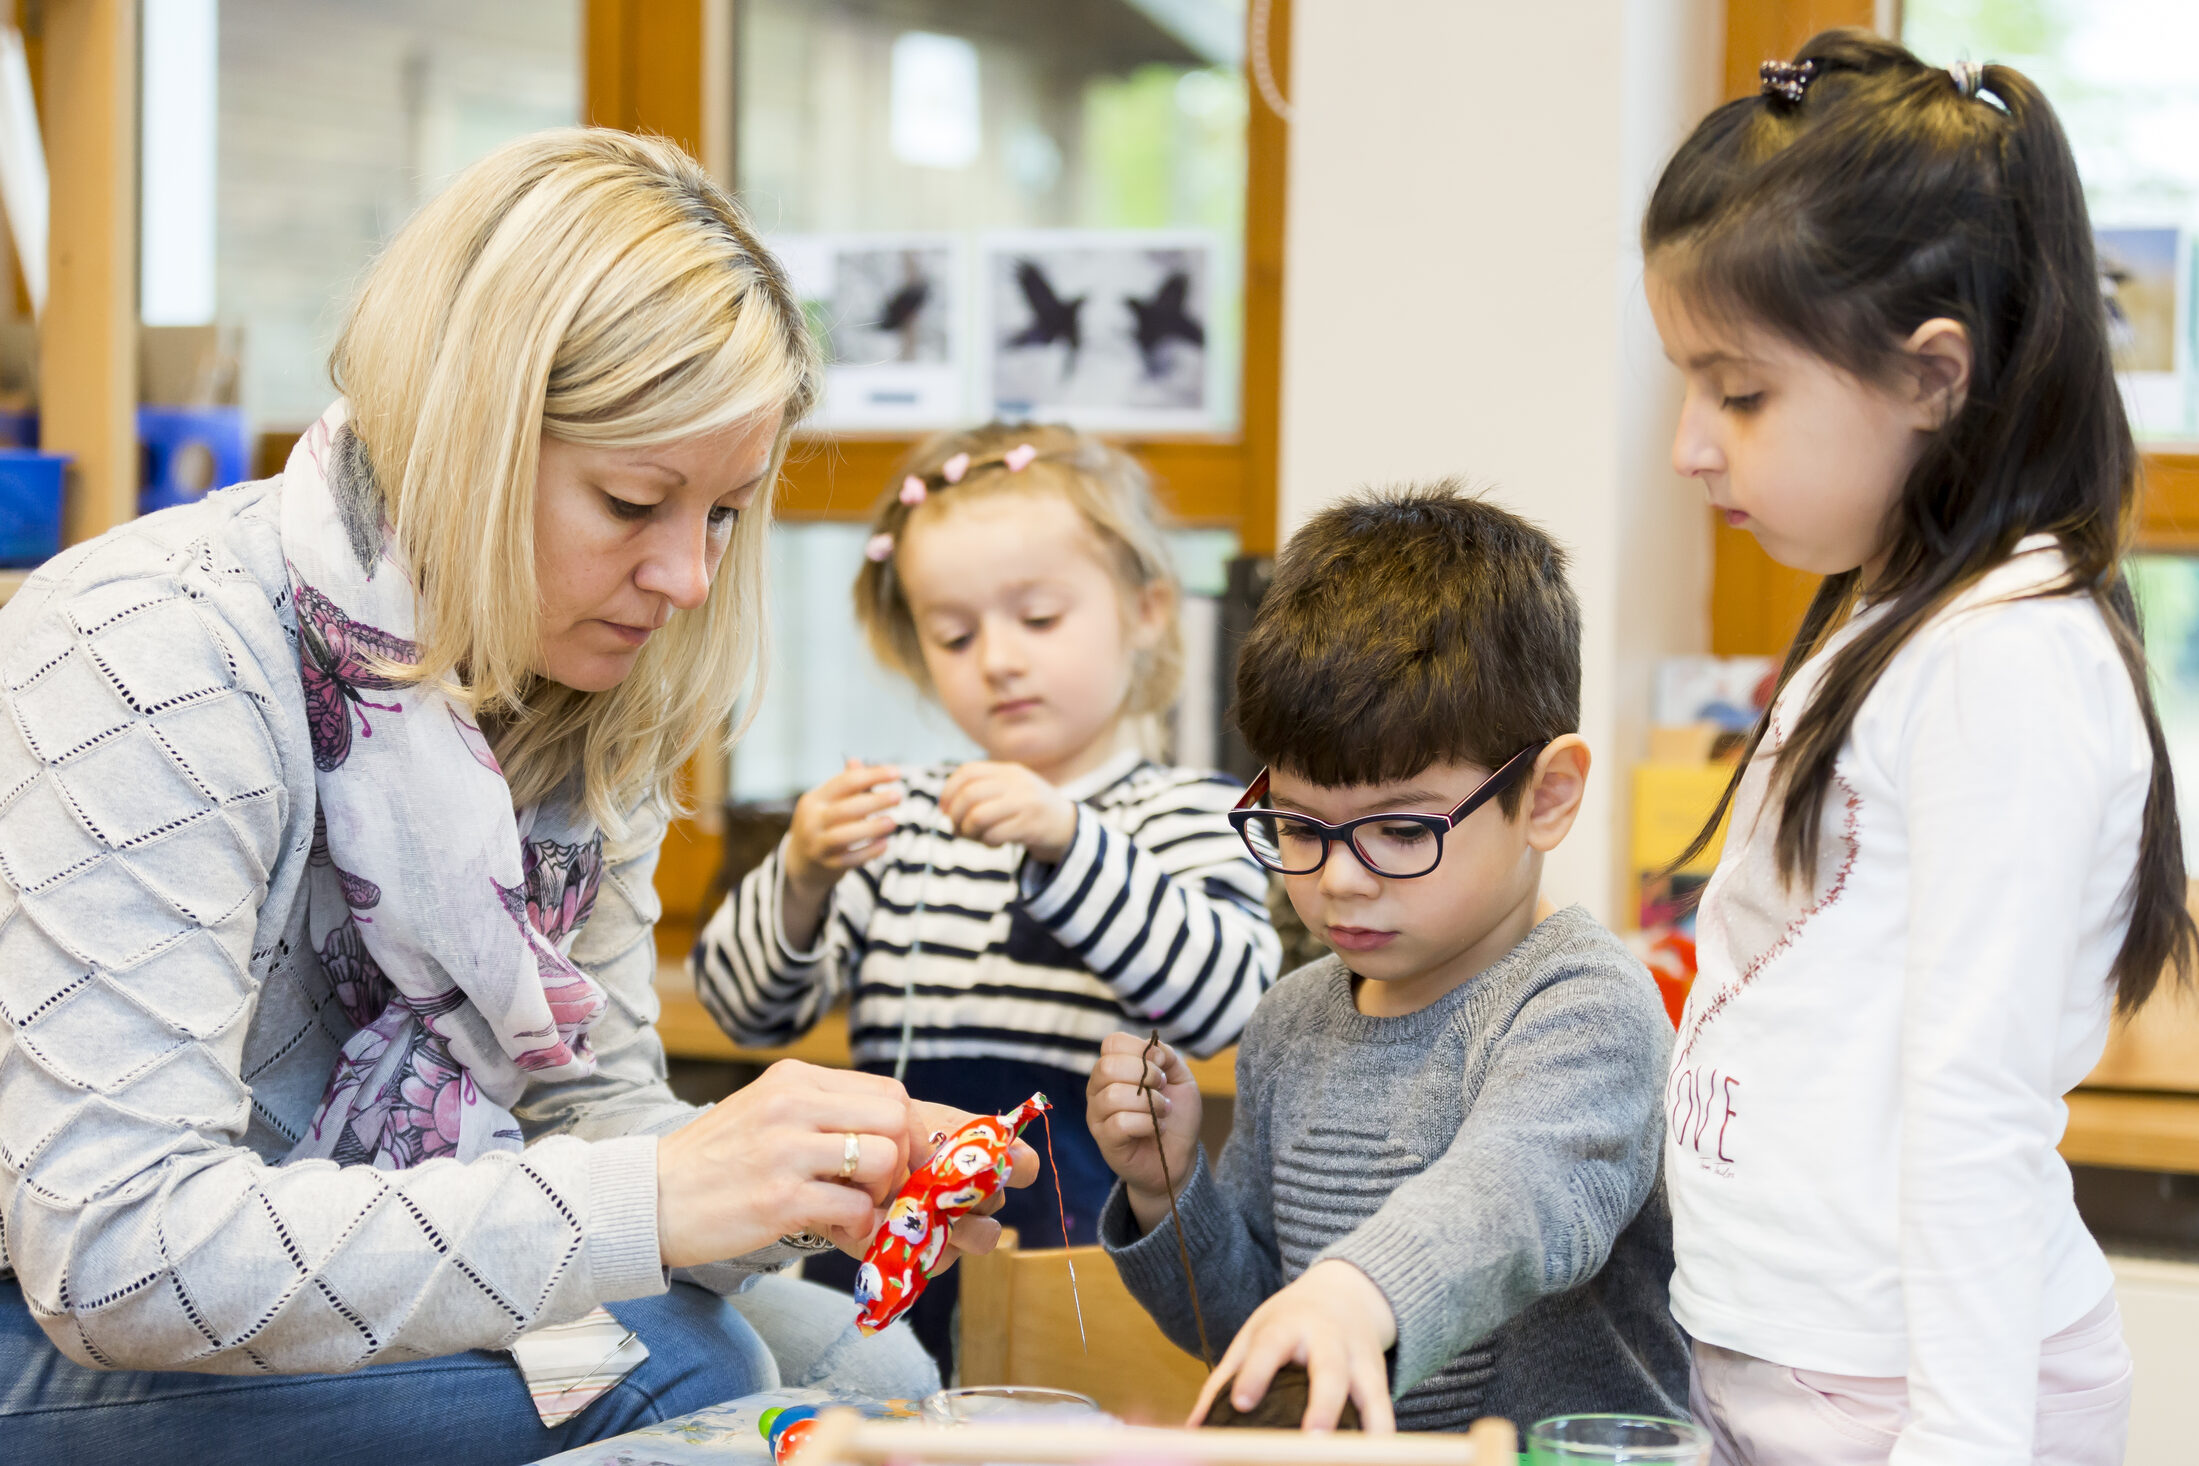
<point x="574" y="999"/>
<point x="415" y="1115"/>
<point x="334" y="663"/>
<point x="361" y="988"/>
<point x="561" y="883"/>
<point x="360" y="894"/>
<point x="477" y="743"/>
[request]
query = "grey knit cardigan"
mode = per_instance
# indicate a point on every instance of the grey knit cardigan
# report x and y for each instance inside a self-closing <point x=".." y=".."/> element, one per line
<point x="166" y="1030"/>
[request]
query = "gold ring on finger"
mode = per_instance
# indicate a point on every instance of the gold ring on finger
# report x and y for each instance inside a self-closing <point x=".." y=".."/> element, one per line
<point x="851" y="1154"/>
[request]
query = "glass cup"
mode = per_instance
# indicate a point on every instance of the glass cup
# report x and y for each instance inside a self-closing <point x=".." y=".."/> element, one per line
<point x="1020" y="1403"/>
<point x="1638" y="1440"/>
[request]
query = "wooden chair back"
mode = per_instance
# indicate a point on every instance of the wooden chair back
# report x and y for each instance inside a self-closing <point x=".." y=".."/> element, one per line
<point x="1019" y="1327"/>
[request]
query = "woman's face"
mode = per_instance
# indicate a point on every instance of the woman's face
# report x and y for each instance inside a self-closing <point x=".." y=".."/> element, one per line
<point x="623" y="537"/>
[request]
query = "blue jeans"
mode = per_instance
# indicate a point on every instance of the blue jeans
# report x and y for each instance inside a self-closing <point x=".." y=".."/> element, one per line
<point x="467" y="1409"/>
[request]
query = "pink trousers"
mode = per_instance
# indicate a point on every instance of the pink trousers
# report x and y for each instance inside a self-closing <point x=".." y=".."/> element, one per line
<point x="1764" y="1414"/>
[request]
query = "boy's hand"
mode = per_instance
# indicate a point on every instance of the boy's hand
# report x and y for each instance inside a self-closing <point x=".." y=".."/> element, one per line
<point x="838" y="825"/>
<point x="1007" y="804"/>
<point x="1336" y="1323"/>
<point x="1115" y="1110"/>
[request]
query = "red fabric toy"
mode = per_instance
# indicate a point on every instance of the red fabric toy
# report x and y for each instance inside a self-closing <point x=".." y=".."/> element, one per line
<point x="968" y="1166"/>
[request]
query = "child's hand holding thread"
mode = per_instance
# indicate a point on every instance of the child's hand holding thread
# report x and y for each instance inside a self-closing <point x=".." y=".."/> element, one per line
<point x="837" y="826"/>
<point x="1121" y="1120"/>
<point x="1006" y="804"/>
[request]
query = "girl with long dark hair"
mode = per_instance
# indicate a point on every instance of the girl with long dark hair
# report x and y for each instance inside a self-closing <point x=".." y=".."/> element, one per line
<point x="1954" y="845"/>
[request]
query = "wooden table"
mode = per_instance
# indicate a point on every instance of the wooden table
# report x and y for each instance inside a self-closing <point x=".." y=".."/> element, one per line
<point x="2143" y="1132"/>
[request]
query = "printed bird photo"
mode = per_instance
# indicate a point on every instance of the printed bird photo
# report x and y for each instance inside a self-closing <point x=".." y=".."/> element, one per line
<point x="890" y="305"/>
<point x="1108" y="331"/>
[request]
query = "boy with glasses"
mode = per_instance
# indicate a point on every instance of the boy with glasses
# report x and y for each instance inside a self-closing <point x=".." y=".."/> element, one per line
<point x="1440" y="1193"/>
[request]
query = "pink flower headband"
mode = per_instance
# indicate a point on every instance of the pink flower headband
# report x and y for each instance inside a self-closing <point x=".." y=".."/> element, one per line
<point x="915" y="490"/>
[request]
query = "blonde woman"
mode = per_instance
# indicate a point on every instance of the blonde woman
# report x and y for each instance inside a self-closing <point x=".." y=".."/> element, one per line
<point x="330" y="810"/>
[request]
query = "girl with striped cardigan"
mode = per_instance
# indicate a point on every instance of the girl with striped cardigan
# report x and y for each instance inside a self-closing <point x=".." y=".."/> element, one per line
<point x="990" y="924"/>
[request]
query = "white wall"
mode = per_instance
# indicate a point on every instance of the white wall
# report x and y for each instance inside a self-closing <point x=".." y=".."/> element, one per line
<point x="2160" y="1303"/>
<point x="1463" y="297"/>
<point x="337" y="120"/>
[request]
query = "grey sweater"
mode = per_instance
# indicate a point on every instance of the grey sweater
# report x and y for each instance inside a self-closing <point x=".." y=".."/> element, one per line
<point x="1490" y="1162"/>
<point x="166" y="1029"/>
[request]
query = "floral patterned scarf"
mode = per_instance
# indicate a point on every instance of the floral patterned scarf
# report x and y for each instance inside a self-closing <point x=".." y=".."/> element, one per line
<point x="444" y="918"/>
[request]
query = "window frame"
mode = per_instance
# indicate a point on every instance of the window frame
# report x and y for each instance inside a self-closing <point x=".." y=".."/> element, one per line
<point x="666" y="66"/>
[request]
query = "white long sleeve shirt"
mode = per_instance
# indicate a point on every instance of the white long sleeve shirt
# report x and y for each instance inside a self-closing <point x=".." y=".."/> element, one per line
<point x="1866" y="1088"/>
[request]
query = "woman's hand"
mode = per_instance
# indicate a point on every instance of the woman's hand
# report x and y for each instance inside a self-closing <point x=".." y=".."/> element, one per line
<point x="1336" y="1323"/>
<point x="765" y="1162"/>
<point x="837" y="826"/>
<point x="1007" y="804"/>
<point x="1115" y="1109"/>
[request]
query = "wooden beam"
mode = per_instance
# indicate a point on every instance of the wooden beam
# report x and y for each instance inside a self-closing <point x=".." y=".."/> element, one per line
<point x="1267" y="159"/>
<point x="1201" y="481"/>
<point x="1773" y="30"/>
<point x="1756" y="603"/>
<point x="666" y="67"/>
<point x="2141" y="1132"/>
<point x="88" y="336"/>
<point x="646" y="70"/>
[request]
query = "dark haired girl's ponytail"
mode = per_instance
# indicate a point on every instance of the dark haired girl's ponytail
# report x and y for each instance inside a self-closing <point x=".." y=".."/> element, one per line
<point x="1890" y="194"/>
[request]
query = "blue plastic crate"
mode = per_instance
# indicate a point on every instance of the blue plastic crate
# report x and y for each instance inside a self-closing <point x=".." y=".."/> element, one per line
<point x="30" y="505"/>
<point x="188" y="451"/>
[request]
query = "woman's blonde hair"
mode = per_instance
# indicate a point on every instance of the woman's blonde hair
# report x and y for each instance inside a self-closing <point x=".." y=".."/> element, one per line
<point x="598" y="287"/>
<point x="1108" y="488"/>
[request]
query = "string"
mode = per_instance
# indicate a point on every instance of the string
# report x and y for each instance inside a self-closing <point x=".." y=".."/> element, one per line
<point x="1183" y="1252"/>
<point x="915" y="952"/>
<point x="1061" y="1210"/>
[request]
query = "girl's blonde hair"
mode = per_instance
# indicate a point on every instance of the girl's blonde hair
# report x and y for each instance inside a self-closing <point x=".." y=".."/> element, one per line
<point x="598" y="287"/>
<point x="1108" y="489"/>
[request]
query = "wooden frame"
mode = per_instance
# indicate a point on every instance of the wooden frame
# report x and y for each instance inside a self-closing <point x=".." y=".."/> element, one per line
<point x="650" y="67"/>
<point x="666" y="66"/>
<point x="1756" y="604"/>
<point x="845" y="1439"/>
<point x="85" y="52"/>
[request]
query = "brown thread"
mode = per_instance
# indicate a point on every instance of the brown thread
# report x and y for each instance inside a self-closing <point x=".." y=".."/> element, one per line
<point x="1183" y="1252"/>
<point x="1061" y="1210"/>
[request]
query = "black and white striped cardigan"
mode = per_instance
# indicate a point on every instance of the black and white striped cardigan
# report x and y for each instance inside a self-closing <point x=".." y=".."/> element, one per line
<point x="1155" y="917"/>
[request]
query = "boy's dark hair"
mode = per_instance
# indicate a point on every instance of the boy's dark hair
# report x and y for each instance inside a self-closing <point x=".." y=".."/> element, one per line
<point x="1408" y="627"/>
<point x="1843" y="212"/>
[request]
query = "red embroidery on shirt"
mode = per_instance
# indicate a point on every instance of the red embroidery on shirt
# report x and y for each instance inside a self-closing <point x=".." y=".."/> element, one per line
<point x="1701" y="1018"/>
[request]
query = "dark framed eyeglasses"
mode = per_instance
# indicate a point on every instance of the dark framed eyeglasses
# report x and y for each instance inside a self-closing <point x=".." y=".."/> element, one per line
<point x="1397" y="846"/>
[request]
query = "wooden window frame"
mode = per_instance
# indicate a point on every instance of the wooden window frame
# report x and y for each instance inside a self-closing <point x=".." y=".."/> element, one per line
<point x="666" y="67"/>
<point x="663" y="66"/>
<point x="1756" y="604"/>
